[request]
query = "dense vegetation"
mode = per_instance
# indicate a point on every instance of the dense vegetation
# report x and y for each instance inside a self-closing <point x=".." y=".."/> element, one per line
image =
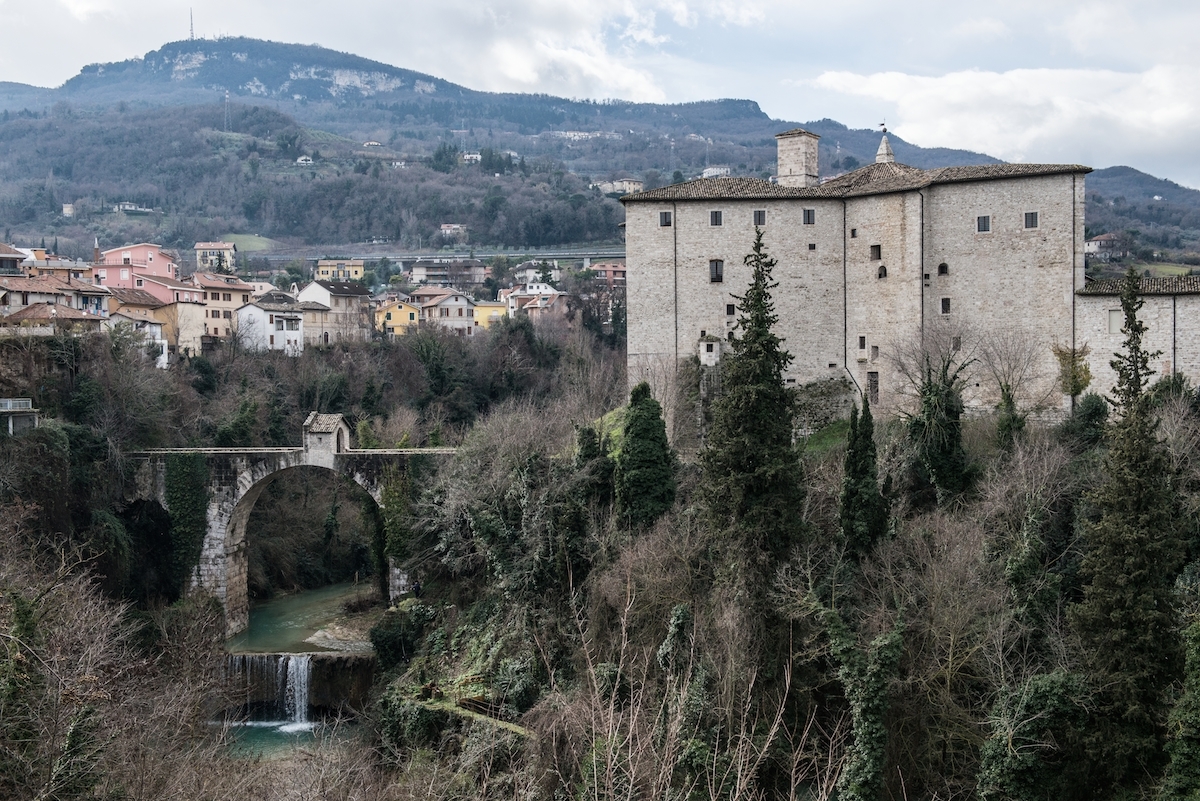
<point x="941" y="606"/>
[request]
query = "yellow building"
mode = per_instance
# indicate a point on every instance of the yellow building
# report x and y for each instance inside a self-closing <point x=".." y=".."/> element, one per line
<point x="489" y="311"/>
<point x="394" y="318"/>
<point x="339" y="270"/>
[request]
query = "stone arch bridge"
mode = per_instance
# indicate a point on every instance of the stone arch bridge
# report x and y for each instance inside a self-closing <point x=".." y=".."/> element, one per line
<point x="237" y="476"/>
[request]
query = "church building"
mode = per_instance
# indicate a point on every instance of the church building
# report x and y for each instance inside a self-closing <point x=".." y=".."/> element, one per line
<point x="872" y="265"/>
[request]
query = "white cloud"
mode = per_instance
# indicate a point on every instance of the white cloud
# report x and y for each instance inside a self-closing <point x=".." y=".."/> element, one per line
<point x="980" y="28"/>
<point x="1102" y="116"/>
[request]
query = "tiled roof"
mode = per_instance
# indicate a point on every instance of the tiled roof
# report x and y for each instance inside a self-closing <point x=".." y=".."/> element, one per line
<point x="169" y="282"/>
<point x="5" y="250"/>
<point x="134" y="297"/>
<point x="323" y="423"/>
<point x="873" y="179"/>
<point x="37" y="284"/>
<point x="207" y="280"/>
<point x="794" y="132"/>
<point x="49" y="311"/>
<point x="343" y="288"/>
<point x="1182" y="285"/>
<point x="214" y="246"/>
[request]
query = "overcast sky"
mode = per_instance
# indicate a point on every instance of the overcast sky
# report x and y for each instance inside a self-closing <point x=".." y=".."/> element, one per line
<point x="1098" y="83"/>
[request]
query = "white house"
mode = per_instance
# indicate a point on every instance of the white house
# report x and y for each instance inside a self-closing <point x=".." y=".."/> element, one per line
<point x="453" y="311"/>
<point x="274" y="321"/>
<point x="342" y="312"/>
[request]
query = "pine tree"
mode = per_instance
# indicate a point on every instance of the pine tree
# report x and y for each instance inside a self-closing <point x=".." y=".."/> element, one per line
<point x="645" y="469"/>
<point x="751" y="464"/>
<point x="1126" y="620"/>
<point x="863" y="510"/>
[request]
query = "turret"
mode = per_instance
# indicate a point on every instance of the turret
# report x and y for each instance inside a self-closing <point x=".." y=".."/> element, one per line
<point x="797" y="158"/>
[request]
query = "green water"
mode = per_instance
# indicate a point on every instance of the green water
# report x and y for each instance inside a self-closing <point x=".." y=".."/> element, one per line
<point x="281" y="625"/>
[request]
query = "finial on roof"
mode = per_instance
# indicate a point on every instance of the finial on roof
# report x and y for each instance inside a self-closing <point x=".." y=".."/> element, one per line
<point x="884" y="155"/>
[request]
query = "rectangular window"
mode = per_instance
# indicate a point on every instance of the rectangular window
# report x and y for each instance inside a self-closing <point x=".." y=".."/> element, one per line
<point x="730" y="309"/>
<point x="716" y="271"/>
<point x="387" y="316"/>
<point x="293" y="325"/>
<point x="245" y="298"/>
<point x="876" y="252"/>
<point x="412" y="315"/>
<point x="664" y="219"/>
<point x="139" y="283"/>
<point x="714" y="218"/>
<point x="873" y="388"/>
<point x="124" y="275"/>
<point x="228" y="297"/>
<point x="945" y="305"/>
<point x="983" y="224"/>
<point x="204" y="295"/>
<point x="810" y="216"/>
<point x="812" y="246"/>
<point x="228" y="315"/>
<point x="760" y="217"/>
<point x="272" y="339"/>
<point x="279" y="324"/>
<point x="854" y="233"/>
<point x="874" y="352"/>
<point x="1116" y="321"/>
<point x="862" y="343"/>
<point x="708" y="347"/>
<point x="1031" y="220"/>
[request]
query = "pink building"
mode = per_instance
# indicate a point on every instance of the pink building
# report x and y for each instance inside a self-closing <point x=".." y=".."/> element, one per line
<point x="122" y="267"/>
<point x="168" y="290"/>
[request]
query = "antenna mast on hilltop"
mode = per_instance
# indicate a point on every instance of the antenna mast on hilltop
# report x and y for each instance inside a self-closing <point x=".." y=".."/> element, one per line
<point x="191" y="26"/>
<point x="226" y="111"/>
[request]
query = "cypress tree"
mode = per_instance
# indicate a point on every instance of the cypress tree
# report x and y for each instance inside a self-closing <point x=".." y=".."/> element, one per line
<point x="751" y="464"/>
<point x="863" y="511"/>
<point x="1126" y="620"/>
<point x="645" y="469"/>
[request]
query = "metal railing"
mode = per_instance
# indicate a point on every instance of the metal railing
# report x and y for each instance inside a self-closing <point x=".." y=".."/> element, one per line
<point x="15" y="404"/>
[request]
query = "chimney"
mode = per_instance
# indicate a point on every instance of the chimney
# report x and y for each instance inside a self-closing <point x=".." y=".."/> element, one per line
<point x="797" y="158"/>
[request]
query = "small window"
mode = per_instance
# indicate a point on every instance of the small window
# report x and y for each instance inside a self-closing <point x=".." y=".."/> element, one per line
<point x="983" y="224"/>
<point x="945" y="305"/>
<point x="205" y="295"/>
<point x="873" y="387"/>
<point x="714" y="218"/>
<point x="716" y="270"/>
<point x="228" y="297"/>
<point x="812" y="246"/>
<point x="245" y="298"/>
<point x="708" y="348"/>
<point x="760" y="217"/>
<point x="703" y="333"/>
<point x="139" y="283"/>
<point x="228" y="315"/>
<point x="882" y="271"/>
<point x="664" y="219"/>
<point x="943" y="269"/>
<point x="876" y="252"/>
<point x="956" y="344"/>
<point x="810" y="216"/>
<point x="1031" y="219"/>
<point x="874" y="352"/>
<point x="1116" y="321"/>
<point x="730" y="309"/>
<point x="854" y="233"/>
<point x="862" y="343"/>
<point x="412" y="315"/>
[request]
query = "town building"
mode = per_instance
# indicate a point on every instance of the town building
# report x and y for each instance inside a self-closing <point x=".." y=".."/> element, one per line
<point x="147" y="329"/>
<point x="529" y="272"/>
<point x="223" y="295"/>
<point x="490" y="312"/>
<point x="870" y="265"/>
<point x="610" y="273"/>
<point x="124" y="265"/>
<point x="345" y="316"/>
<point x="17" y="415"/>
<point x="453" y="311"/>
<point x="1105" y="247"/>
<point x="10" y="260"/>
<point x="274" y="321"/>
<point x="339" y="270"/>
<point x="217" y="257"/>
<point x="534" y="298"/>
<point x="396" y="318"/>
<point x="19" y="292"/>
<point x="185" y="327"/>
<point x="451" y="272"/>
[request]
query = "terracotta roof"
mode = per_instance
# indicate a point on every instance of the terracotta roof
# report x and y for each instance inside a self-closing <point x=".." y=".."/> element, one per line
<point x="796" y="132"/>
<point x="312" y="305"/>
<point x="1181" y="285"/>
<point x="1103" y="238"/>
<point x="214" y="246"/>
<point x="212" y="279"/>
<point x="134" y="297"/>
<point x="49" y="311"/>
<point x="873" y="179"/>
<point x="19" y="283"/>
<point x="5" y="250"/>
<point x="323" y="423"/>
<point x="169" y="282"/>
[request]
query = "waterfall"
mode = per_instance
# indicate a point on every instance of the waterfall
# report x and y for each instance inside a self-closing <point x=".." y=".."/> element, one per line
<point x="275" y="686"/>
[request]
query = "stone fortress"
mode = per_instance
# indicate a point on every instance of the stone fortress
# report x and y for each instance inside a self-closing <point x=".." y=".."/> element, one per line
<point x="875" y="264"/>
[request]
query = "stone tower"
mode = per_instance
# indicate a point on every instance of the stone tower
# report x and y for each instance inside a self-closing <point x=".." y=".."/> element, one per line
<point x="797" y="158"/>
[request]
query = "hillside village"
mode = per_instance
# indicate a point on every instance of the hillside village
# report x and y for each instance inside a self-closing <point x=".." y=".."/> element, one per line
<point x="195" y="306"/>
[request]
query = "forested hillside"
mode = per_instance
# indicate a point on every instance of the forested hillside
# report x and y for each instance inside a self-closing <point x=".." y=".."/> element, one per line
<point x="924" y="606"/>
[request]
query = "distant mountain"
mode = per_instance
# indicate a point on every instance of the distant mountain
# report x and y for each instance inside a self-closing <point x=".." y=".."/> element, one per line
<point x="411" y="111"/>
<point x="1163" y="213"/>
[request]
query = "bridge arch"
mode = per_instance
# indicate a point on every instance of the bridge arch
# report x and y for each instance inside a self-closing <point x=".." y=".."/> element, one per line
<point x="236" y="480"/>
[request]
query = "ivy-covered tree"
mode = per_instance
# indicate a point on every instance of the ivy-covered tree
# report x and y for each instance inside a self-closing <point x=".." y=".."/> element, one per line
<point x="863" y="510"/>
<point x="645" y="469"/>
<point x="936" y="428"/>
<point x="751" y="465"/>
<point x="1126" y="620"/>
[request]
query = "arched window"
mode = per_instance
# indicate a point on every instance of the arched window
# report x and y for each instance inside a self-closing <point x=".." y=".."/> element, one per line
<point x="882" y="271"/>
<point x="943" y="269"/>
